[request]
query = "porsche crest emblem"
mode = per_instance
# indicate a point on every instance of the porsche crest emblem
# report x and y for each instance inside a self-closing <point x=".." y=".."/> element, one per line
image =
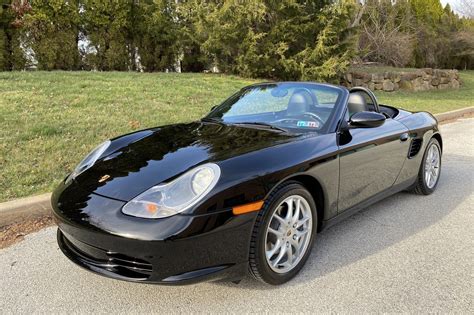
<point x="104" y="178"/>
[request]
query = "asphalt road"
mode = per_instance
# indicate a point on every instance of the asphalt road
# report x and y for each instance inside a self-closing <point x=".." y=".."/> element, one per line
<point x="407" y="253"/>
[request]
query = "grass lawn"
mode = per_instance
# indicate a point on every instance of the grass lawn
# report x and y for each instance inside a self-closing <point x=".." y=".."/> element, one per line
<point x="50" y="120"/>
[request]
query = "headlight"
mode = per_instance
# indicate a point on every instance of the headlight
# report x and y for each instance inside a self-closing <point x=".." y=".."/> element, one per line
<point x="168" y="199"/>
<point x="91" y="158"/>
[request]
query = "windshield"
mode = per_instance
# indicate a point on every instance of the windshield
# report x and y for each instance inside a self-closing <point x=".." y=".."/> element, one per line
<point x="295" y="107"/>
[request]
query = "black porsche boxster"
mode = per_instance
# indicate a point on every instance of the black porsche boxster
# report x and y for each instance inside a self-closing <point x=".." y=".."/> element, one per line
<point x="245" y="189"/>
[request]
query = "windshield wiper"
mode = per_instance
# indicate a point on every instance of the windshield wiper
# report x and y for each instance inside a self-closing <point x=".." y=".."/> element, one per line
<point x="249" y="123"/>
<point x="212" y="119"/>
<point x="261" y="124"/>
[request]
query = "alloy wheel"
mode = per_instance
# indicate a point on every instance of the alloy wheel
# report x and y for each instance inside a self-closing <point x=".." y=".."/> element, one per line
<point x="432" y="164"/>
<point x="288" y="233"/>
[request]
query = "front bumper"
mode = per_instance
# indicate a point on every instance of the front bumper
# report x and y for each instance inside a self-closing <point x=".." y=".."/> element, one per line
<point x="96" y="235"/>
<point x="123" y="267"/>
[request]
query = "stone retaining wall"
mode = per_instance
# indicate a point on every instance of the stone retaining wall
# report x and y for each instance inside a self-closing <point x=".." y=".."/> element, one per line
<point x="419" y="80"/>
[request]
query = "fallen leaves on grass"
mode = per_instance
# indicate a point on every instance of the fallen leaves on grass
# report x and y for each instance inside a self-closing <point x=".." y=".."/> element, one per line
<point x="16" y="232"/>
<point x="134" y="124"/>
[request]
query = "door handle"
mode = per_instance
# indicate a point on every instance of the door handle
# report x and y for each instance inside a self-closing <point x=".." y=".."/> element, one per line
<point x="404" y="137"/>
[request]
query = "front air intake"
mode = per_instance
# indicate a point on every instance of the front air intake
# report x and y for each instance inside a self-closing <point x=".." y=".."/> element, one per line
<point x="130" y="263"/>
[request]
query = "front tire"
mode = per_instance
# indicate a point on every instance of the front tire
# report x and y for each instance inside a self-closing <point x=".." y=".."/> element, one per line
<point x="430" y="169"/>
<point x="283" y="234"/>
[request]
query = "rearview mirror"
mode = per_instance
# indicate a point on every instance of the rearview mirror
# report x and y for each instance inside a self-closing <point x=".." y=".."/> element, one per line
<point x="367" y="119"/>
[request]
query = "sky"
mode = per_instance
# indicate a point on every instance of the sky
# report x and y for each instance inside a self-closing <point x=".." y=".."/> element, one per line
<point x="455" y="4"/>
<point x="452" y="3"/>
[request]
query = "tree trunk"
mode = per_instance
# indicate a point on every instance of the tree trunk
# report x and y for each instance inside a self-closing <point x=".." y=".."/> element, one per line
<point x="9" y="49"/>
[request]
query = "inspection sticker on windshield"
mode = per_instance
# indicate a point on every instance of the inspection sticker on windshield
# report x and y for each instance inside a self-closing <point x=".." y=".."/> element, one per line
<point x="309" y="124"/>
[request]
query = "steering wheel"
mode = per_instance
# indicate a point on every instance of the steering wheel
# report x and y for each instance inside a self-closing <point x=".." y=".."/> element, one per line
<point x="314" y="116"/>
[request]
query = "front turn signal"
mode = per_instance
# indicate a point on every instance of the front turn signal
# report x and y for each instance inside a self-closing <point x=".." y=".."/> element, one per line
<point x="249" y="207"/>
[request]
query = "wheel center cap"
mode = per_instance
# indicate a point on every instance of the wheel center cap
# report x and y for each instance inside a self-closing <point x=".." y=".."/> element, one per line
<point x="288" y="233"/>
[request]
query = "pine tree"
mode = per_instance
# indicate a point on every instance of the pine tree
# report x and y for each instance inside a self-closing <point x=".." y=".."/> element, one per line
<point x="156" y="35"/>
<point x="3" y="39"/>
<point x="190" y="15"/>
<point x="277" y="39"/>
<point x="333" y="49"/>
<point x="105" y="29"/>
<point x="53" y="34"/>
<point x="428" y="15"/>
<point x="12" y="56"/>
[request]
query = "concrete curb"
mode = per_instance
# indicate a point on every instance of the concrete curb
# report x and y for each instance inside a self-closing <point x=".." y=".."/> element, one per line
<point x="454" y="114"/>
<point x="25" y="208"/>
<point x="33" y="207"/>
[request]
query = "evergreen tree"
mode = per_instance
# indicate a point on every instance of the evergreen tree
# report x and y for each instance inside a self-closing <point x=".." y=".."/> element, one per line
<point x="156" y="35"/>
<point x="428" y="15"/>
<point x="428" y="12"/>
<point x="462" y="46"/>
<point x="285" y="39"/>
<point x="106" y="25"/>
<point x="3" y="39"/>
<point x="192" y="32"/>
<point x="12" y="56"/>
<point x="53" y="33"/>
<point x="333" y="50"/>
<point x="419" y="33"/>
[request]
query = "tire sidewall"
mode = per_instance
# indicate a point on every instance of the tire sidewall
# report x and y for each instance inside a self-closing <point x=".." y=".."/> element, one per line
<point x="422" y="169"/>
<point x="266" y="272"/>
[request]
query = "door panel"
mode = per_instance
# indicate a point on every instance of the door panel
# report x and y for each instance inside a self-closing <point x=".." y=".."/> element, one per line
<point x="370" y="161"/>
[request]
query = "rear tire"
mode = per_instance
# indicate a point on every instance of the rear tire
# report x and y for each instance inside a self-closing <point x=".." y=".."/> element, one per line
<point x="283" y="234"/>
<point x="430" y="169"/>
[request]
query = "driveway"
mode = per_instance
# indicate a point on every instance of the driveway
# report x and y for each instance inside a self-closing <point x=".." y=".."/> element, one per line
<point x="407" y="253"/>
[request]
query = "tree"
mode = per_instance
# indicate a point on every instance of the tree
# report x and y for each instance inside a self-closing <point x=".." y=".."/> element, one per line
<point x="12" y="56"/>
<point x="333" y="50"/>
<point x="428" y="14"/>
<point x="155" y="34"/>
<point x="442" y="37"/>
<point x="427" y="11"/>
<point x="192" y="32"/>
<point x="386" y="33"/>
<point x="463" y="45"/>
<point x="53" y="33"/>
<point x="106" y="25"/>
<point x="285" y="39"/>
<point x="417" y="33"/>
<point x="276" y="39"/>
<point x="3" y="40"/>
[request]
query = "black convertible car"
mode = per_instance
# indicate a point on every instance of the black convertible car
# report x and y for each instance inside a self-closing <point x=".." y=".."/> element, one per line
<point x="245" y="189"/>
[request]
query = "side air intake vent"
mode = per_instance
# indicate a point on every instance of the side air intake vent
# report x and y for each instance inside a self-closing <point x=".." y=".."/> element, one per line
<point x="415" y="147"/>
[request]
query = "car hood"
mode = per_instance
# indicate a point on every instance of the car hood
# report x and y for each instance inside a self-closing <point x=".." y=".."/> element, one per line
<point x="133" y="163"/>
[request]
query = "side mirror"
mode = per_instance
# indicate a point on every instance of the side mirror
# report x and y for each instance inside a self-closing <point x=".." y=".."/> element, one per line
<point x="367" y="120"/>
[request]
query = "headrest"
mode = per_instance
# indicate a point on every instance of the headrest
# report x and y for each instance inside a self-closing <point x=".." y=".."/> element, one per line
<point x="356" y="103"/>
<point x="299" y="102"/>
